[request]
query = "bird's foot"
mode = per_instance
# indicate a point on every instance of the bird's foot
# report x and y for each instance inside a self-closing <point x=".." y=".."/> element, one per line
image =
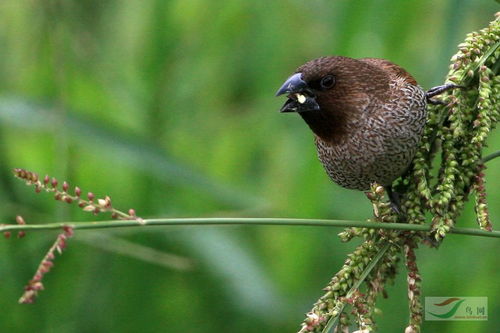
<point x="395" y="200"/>
<point x="434" y="91"/>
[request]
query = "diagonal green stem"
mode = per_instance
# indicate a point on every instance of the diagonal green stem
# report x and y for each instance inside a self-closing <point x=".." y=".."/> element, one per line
<point x="465" y="81"/>
<point x="490" y="157"/>
<point x="239" y="221"/>
<point x="333" y="321"/>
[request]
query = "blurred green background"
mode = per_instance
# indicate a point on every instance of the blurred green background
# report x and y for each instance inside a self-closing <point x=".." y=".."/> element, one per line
<point x="168" y="107"/>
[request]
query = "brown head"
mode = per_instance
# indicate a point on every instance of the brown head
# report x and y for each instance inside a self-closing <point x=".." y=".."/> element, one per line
<point x="332" y="93"/>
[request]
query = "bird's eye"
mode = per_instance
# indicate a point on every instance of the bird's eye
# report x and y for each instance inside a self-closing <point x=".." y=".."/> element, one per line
<point x="327" y="82"/>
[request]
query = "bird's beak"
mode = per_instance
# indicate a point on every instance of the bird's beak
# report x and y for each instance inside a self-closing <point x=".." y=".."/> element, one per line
<point x="300" y="96"/>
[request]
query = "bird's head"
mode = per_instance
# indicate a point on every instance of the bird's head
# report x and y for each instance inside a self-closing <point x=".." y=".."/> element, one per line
<point x="331" y="93"/>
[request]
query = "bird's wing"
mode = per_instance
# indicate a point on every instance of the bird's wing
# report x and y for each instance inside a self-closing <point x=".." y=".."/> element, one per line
<point x="393" y="70"/>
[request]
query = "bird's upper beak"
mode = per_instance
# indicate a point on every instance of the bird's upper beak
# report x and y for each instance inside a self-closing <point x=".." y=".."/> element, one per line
<point x="300" y="96"/>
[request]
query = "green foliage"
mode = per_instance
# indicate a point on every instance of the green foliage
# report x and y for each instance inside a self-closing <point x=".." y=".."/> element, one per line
<point x="458" y="130"/>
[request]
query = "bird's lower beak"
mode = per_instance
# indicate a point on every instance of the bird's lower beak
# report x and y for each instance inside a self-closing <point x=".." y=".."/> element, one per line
<point x="300" y="97"/>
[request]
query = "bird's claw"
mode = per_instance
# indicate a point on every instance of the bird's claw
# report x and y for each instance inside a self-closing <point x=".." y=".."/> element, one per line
<point x="395" y="201"/>
<point x="434" y="91"/>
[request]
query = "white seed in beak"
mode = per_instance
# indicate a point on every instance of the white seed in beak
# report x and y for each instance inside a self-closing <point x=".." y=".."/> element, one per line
<point x="301" y="98"/>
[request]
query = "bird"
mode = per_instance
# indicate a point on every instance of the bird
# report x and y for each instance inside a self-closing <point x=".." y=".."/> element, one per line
<point x="367" y="116"/>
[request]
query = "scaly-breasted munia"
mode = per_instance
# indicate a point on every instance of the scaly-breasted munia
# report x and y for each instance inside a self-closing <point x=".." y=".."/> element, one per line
<point x="367" y="115"/>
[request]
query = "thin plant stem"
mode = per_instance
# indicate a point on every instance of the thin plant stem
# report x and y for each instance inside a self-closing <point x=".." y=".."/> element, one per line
<point x="490" y="157"/>
<point x="239" y="221"/>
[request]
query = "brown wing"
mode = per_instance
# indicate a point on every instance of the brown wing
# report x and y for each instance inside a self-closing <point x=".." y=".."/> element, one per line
<point x="390" y="68"/>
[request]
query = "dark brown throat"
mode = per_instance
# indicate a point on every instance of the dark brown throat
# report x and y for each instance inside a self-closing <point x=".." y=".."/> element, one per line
<point x="329" y="127"/>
